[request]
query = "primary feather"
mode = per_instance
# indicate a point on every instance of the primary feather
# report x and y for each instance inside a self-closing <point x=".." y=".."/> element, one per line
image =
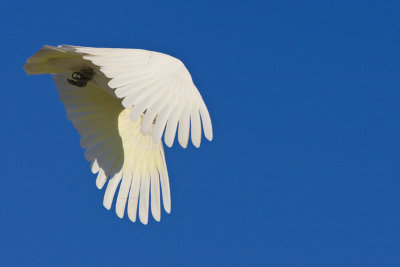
<point x="121" y="103"/>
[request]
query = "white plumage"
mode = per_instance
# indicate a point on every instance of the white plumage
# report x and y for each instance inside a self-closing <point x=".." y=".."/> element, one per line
<point x="122" y="101"/>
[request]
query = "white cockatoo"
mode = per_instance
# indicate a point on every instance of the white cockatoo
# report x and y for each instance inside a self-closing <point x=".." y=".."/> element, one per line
<point x="121" y="101"/>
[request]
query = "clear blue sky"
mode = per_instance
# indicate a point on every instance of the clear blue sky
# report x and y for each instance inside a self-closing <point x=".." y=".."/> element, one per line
<point x="304" y="168"/>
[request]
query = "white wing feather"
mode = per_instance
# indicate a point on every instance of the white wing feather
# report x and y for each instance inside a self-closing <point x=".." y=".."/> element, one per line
<point x="154" y="82"/>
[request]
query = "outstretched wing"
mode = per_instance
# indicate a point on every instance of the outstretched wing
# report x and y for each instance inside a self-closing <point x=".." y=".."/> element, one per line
<point x="122" y="140"/>
<point x="117" y="149"/>
<point x="157" y="85"/>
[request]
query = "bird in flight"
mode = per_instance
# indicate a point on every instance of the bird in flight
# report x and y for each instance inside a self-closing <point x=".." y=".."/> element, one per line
<point x="122" y="101"/>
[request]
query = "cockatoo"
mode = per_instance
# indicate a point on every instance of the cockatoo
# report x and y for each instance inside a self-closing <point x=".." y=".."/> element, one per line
<point x="122" y="101"/>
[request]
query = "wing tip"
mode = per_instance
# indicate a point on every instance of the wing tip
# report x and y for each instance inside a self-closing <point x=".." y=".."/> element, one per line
<point x="167" y="209"/>
<point x="168" y="141"/>
<point x="196" y="143"/>
<point x="143" y="220"/>
<point x="99" y="185"/>
<point x="131" y="218"/>
<point x="157" y="217"/>
<point x="183" y="143"/>
<point x="120" y="213"/>
<point x="107" y="205"/>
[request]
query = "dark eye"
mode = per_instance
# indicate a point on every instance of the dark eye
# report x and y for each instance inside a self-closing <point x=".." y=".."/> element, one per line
<point x="81" y="78"/>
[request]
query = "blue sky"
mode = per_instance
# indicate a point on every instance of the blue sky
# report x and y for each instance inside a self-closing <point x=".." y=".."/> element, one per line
<point x="304" y="166"/>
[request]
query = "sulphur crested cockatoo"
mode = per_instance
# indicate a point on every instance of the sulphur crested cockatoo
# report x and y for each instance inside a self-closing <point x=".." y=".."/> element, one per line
<point x="121" y="101"/>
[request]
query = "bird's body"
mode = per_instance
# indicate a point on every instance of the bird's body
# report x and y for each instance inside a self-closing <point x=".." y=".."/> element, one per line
<point x="121" y="101"/>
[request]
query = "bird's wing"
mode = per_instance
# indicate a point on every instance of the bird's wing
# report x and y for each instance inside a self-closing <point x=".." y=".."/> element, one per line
<point x="156" y="85"/>
<point x="117" y="149"/>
